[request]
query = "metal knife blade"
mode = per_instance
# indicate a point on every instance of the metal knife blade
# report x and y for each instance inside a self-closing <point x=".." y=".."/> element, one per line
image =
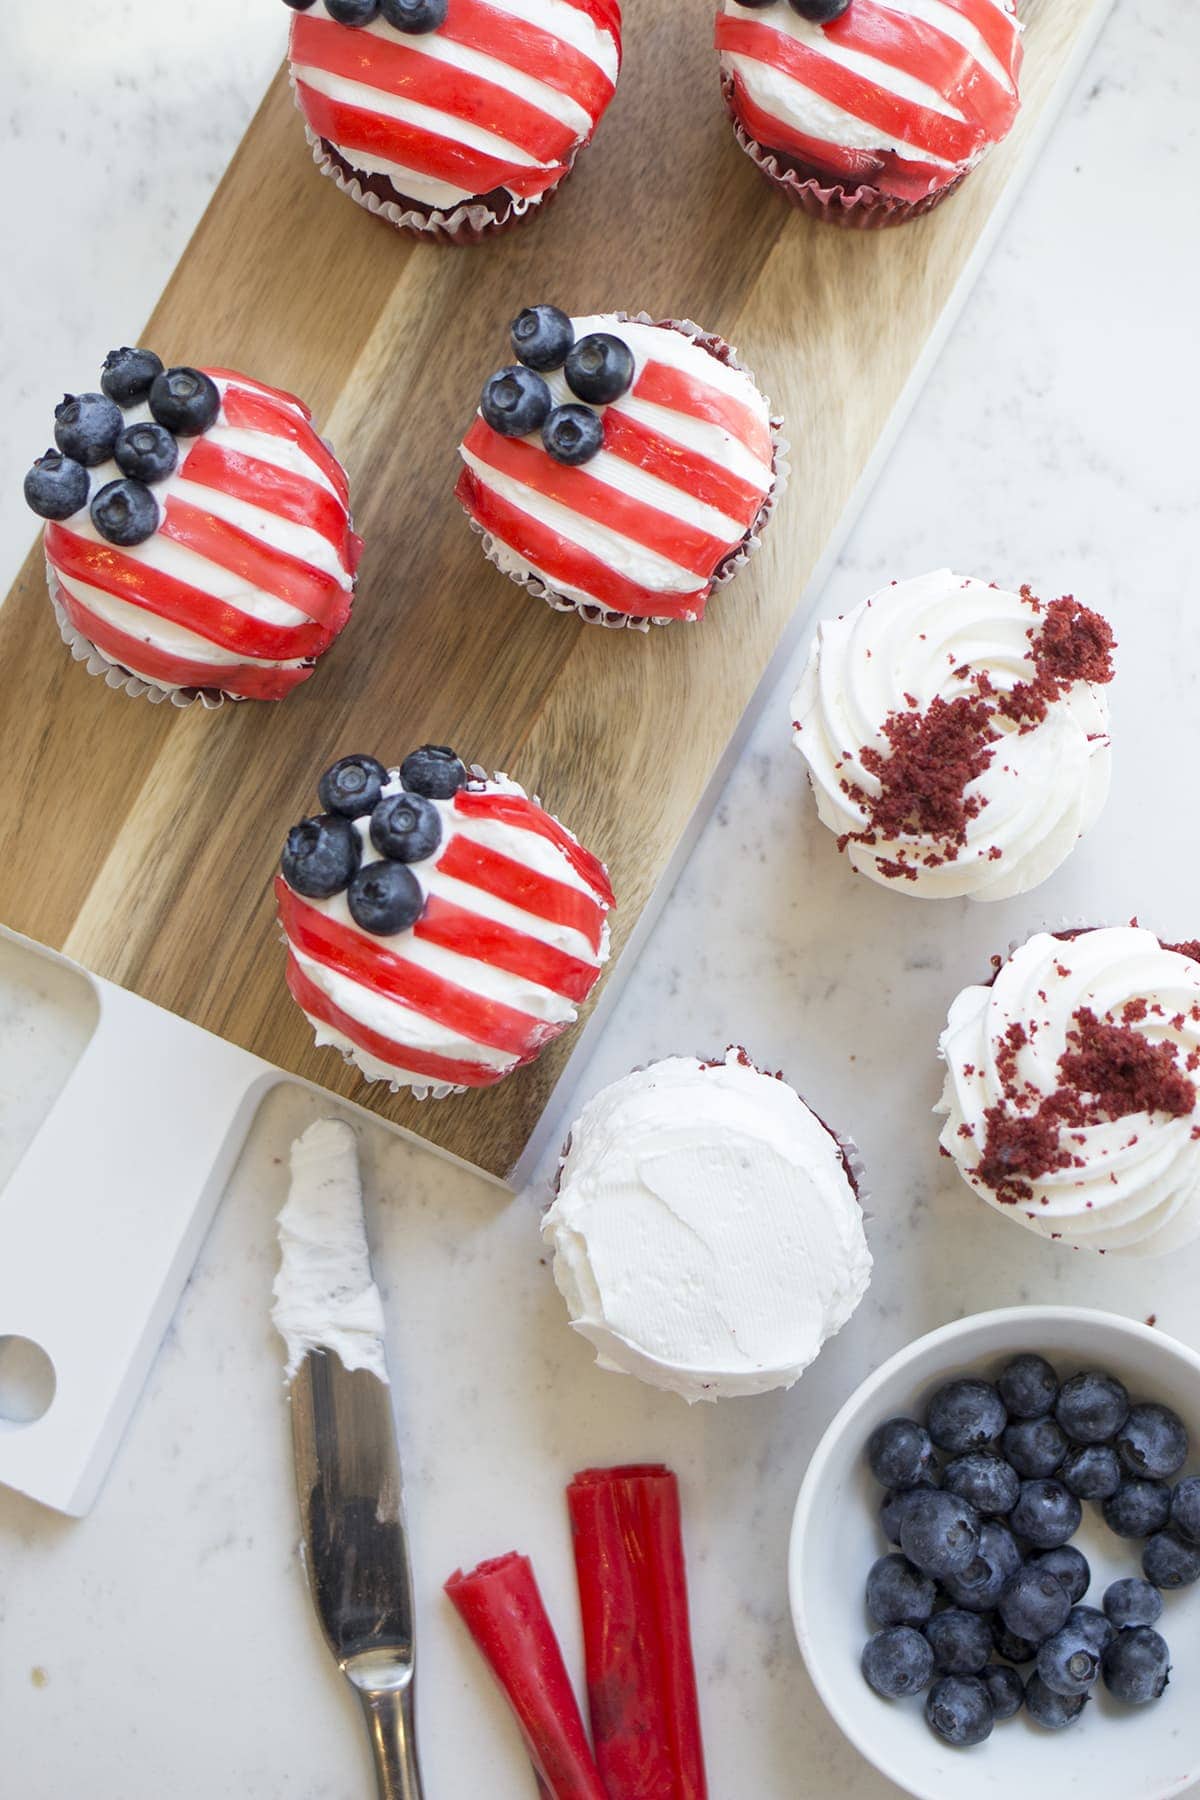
<point x="356" y="1551"/>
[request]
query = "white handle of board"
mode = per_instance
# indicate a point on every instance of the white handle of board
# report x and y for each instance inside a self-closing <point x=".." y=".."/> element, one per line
<point x="101" y="1221"/>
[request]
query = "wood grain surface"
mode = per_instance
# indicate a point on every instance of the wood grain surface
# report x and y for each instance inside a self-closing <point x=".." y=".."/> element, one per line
<point x="142" y="840"/>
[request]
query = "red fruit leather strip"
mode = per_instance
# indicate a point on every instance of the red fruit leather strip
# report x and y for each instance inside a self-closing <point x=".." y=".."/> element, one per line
<point x="502" y="1609"/>
<point x="633" y="1594"/>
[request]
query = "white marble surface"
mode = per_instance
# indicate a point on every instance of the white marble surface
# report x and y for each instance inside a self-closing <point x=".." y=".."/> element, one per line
<point x="165" y="1644"/>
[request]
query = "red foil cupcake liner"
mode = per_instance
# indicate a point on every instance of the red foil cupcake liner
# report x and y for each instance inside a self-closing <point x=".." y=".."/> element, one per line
<point x="855" y="209"/>
<point x="594" y="614"/>
<point x="469" y="223"/>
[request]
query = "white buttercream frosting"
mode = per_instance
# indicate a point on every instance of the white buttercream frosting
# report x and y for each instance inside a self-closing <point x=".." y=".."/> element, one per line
<point x="325" y="1295"/>
<point x="706" y="1234"/>
<point x="938" y="637"/>
<point x="1127" y="1183"/>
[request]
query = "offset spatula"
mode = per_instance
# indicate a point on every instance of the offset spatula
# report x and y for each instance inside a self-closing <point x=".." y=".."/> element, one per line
<point x="347" y="1466"/>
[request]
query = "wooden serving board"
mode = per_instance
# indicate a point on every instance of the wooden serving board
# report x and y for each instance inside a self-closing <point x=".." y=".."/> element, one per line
<point x="142" y="840"/>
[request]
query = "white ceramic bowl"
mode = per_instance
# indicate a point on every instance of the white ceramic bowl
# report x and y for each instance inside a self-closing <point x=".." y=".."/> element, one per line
<point x="1112" y="1752"/>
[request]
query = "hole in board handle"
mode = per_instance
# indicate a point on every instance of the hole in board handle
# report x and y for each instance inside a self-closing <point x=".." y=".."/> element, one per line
<point x="27" y="1382"/>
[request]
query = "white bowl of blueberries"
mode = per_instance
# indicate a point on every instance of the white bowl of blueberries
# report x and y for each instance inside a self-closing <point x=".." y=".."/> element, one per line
<point x="992" y="1560"/>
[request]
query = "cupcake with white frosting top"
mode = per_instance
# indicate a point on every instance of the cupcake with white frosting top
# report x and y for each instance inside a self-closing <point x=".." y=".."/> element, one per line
<point x="707" y="1232"/>
<point x="1072" y="1091"/>
<point x="620" y="467"/>
<point x="956" y="734"/>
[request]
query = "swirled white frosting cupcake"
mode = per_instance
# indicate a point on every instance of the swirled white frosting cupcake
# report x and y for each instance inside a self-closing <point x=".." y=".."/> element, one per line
<point x="956" y="735"/>
<point x="1072" y="1095"/>
<point x="707" y="1233"/>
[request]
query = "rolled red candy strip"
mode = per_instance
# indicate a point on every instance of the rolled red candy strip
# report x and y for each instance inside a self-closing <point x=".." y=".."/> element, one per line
<point x="502" y="1608"/>
<point x="642" y="1697"/>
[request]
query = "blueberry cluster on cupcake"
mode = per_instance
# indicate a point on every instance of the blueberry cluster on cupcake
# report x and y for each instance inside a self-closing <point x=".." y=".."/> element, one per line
<point x="863" y="114"/>
<point x="1072" y="1090"/>
<point x="620" y="467"/>
<point x="442" y="927"/>
<point x="452" y="118"/>
<point x="956" y="734"/>
<point x="198" y="536"/>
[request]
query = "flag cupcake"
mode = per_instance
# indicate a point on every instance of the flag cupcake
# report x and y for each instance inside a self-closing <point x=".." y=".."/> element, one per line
<point x="442" y="928"/>
<point x="868" y="114"/>
<point x="620" y="467"/>
<point x="198" y="537"/>
<point x="452" y="118"/>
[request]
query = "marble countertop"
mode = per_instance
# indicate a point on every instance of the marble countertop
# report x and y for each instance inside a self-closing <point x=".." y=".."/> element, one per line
<point x="165" y="1643"/>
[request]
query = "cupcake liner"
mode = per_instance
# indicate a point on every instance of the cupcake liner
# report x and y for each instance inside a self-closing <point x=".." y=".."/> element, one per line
<point x="862" y="208"/>
<point x="115" y="674"/>
<point x="590" y="611"/>
<point x="471" y="222"/>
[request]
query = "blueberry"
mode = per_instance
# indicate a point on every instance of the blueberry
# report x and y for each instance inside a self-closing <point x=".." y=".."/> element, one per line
<point x="186" y="401"/>
<point x="1034" y="1446"/>
<point x="899" y="1453"/>
<point x="352" y="12"/>
<point x="958" y="1710"/>
<point x="1051" y="1710"/>
<point x="414" y="16"/>
<point x="1046" y="1515"/>
<point x="1071" y="1566"/>
<point x="1137" y="1666"/>
<point x="125" y="512"/>
<point x="352" y="786"/>
<point x="898" y="1594"/>
<point x="1010" y="1645"/>
<point x="127" y="374"/>
<point x="819" y="12"/>
<point x="985" y="1480"/>
<point x="515" y="401"/>
<point x="1091" y="1471"/>
<point x="1005" y="1690"/>
<point x="897" y="1662"/>
<point x="961" y="1641"/>
<point x="1153" y="1441"/>
<point x="86" y="427"/>
<point x="56" y="486"/>
<point x="940" y="1533"/>
<point x="300" y="5"/>
<point x="1034" y="1604"/>
<point x="573" y="435"/>
<point x="894" y="1507"/>
<point x="385" y="897"/>
<point x="981" y="1583"/>
<point x="966" y="1415"/>
<point x="1169" y="1562"/>
<point x="434" y="770"/>
<point x="599" y="368"/>
<point x="1067" y="1663"/>
<point x="406" y="828"/>
<point x="1090" y="1624"/>
<point x="1138" y="1508"/>
<point x="1028" y="1387"/>
<point x="146" y="452"/>
<point x="1132" y="1602"/>
<point x="320" y="856"/>
<point x="1091" y="1407"/>
<point x="1185" y="1509"/>
<point x="541" y="337"/>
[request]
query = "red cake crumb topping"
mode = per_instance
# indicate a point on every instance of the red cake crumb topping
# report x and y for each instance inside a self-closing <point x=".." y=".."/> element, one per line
<point x="935" y="755"/>
<point x="1106" y="1072"/>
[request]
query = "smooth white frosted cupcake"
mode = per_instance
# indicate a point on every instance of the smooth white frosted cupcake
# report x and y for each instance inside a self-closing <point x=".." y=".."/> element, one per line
<point x="707" y="1232"/>
<point x="956" y="734"/>
<point x="1072" y="1093"/>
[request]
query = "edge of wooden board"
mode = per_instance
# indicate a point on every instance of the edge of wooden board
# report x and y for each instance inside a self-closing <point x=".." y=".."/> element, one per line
<point x="573" y="1069"/>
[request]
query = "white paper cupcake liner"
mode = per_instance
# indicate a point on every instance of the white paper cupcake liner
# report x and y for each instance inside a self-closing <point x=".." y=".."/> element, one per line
<point x="591" y="611"/>
<point x="468" y="223"/>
